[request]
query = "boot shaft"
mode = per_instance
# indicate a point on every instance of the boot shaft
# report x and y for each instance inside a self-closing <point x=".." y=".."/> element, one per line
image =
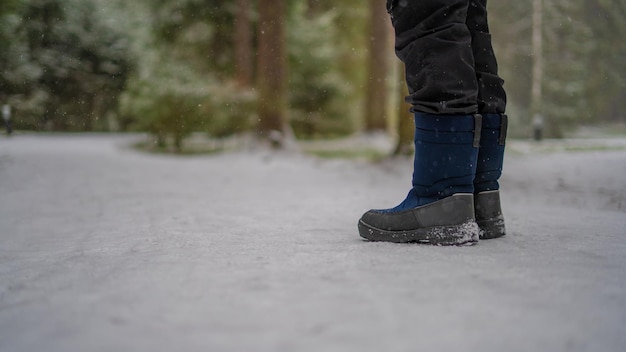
<point x="491" y="152"/>
<point x="446" y="151"/>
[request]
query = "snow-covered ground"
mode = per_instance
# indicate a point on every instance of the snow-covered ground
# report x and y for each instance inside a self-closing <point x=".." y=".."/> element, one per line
<point x="103" y="248"/>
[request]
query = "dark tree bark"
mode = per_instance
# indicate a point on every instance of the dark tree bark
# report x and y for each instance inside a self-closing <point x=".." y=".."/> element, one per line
<point x="377" y="69"/>
<point x="243" y="44"/>
<point x="406" y="127"/>
<point x="272" y="71"/>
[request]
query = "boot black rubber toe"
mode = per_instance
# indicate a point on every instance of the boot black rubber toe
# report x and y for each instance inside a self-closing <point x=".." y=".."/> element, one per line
<point x="449" y="221"/>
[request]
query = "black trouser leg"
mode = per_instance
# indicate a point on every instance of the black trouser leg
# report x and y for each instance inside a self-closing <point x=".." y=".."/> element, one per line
<point x="434" y="42"/>
<point x="491" y="94"/>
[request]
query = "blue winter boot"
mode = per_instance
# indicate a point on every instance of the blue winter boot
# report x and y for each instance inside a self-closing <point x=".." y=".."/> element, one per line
<point x="489" y="169"/>
<point x="439" y="208"/>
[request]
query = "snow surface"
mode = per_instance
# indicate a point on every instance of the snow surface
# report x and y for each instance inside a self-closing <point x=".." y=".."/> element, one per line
<point x="103" y="248"/>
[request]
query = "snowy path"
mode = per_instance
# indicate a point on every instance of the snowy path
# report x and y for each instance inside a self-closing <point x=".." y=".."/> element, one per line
<point x="106" y="249"/>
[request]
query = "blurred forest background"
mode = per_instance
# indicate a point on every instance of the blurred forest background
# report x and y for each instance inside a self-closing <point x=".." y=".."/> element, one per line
<point x="276" y="68"/>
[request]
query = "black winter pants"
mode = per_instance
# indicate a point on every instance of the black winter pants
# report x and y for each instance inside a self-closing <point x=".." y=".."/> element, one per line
<point x="446" y="49"/>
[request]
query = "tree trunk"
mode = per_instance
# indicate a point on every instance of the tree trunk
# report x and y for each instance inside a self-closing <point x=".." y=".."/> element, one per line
<point x="537" y="69"/>
<point x="272" y="71"/>
<point x="377" y="67"/>
<point x="243" y="44"/>
<point x="537" y="48"/>
<point x="406" y="127"/>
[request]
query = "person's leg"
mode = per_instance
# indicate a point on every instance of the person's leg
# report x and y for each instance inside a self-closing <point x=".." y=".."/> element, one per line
<point x="491" y="95"/>
<point x="433" y="41"/>
<point x="491" y="105"/>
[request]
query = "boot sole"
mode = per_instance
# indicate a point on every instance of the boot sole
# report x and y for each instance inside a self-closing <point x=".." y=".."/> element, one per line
<point x="463" y="234"/>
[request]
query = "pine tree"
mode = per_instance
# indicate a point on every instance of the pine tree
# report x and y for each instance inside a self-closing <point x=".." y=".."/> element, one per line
<point x="567" y="48"/>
